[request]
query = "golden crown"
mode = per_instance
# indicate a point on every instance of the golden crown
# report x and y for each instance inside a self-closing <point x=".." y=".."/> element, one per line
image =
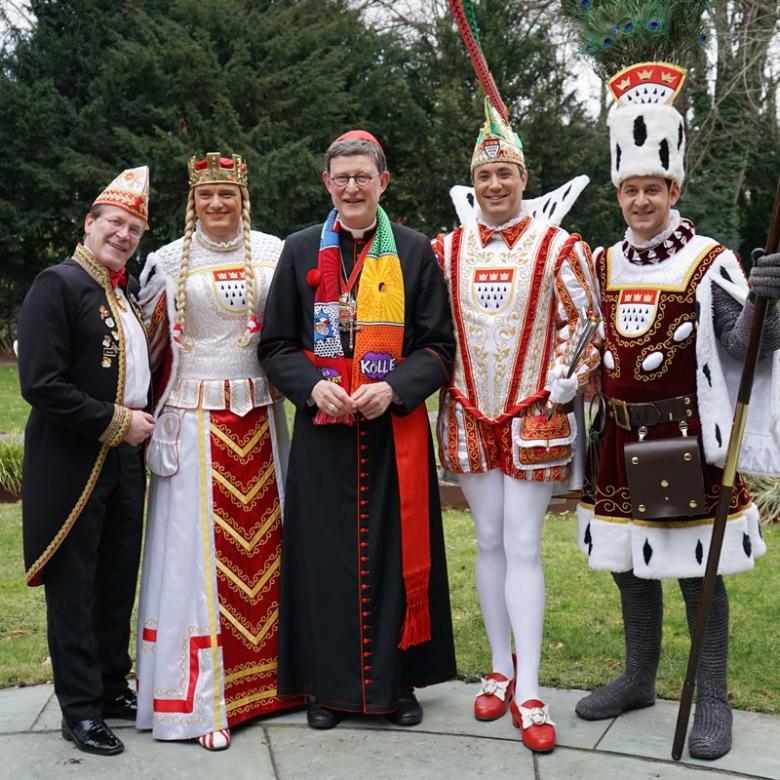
<point x="215" y="169"/>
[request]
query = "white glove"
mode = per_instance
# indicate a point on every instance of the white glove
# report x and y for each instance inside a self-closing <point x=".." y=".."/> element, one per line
<point x="563" y="388"/>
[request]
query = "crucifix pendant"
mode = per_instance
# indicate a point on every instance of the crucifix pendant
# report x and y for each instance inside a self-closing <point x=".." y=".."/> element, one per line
<point x="348" y="316"/>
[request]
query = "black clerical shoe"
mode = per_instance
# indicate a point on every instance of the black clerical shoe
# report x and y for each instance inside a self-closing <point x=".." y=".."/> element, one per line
<point x="122" y="706"/>
<point x="92" y="736"/>
<point x="320" y="717"/>
<point x="409" y="712"/>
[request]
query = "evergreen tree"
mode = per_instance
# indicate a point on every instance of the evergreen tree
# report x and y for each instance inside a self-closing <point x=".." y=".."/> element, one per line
<point x="433" y="150"/>
<point x="100" y="85"/>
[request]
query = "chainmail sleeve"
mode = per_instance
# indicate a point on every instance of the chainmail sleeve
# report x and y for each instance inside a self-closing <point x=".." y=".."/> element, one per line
<point x="732" y="324"/>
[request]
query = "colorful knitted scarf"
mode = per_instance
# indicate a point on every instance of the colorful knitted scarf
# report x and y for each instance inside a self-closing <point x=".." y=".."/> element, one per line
<point x="380" y="311"/>
<point x="378" y="350"/>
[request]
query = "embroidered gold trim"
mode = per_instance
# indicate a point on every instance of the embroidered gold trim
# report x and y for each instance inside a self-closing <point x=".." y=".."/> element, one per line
<point x="242" y="452"/>
<point x="55" y="543"/>
<point x="264" y="529"/>
<point x="244" y="497"/>
<point x="681" y="287"/>
<point x="259" y="585"/>
<point x="686" y="523"/>
<point x="271" y="666"/>
<point x="117" y="428"/>
<point x="255" y="639"/>
<point x="205" y="504"/>
<point x="669" y="347"/>
<point x="87" y="261"/>
<point x="612" y="519"/>
<point x="611" y="295"/>
<point x="271" y="693"/>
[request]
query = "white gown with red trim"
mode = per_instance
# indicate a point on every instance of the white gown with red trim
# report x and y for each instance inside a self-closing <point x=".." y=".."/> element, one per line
<point x="208" y="607"/>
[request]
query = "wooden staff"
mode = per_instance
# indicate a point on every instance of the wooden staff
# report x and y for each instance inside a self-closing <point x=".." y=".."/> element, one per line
<point x="726" y="488"/>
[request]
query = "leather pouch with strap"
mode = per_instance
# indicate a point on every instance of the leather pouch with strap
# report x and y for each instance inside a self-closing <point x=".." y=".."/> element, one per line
<point x="665" y="476"/>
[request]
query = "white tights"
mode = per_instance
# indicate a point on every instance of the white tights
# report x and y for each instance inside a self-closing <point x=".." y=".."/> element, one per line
<point x="508" y="515"/>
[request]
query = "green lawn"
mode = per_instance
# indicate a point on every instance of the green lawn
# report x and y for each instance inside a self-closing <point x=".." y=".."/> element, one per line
<point x="583" y="644"/>
<point x="13" y="408"/>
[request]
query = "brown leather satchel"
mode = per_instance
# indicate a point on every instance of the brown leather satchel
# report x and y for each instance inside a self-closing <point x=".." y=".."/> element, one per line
<point x="665" y="477"/>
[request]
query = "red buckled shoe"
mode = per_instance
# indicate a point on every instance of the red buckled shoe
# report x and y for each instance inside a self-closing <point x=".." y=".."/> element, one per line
<point x="493" y="697"/>
<point x="536" y="729"/>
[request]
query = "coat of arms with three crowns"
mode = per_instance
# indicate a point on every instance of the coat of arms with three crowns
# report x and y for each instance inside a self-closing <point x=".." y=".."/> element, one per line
<point x="492" y="288"/>
<point x="636" y="311"/>
<point x="230" y="289"/>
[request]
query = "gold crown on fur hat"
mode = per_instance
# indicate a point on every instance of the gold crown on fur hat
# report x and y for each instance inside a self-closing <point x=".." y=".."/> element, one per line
<point x="215" y="169"/>
<point x="646" y="132"/>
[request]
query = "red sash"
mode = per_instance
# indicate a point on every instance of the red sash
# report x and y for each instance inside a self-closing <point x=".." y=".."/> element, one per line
<point x="410" y="437"/>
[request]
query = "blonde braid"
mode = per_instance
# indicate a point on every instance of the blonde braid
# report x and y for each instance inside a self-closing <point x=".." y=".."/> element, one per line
<point x="249" y="274"/>
<point x="181" y="280"/>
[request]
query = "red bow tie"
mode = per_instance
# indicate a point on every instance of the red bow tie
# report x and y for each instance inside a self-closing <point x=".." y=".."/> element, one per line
<point x="118" y="278"/>
<point x="509" y="234"/>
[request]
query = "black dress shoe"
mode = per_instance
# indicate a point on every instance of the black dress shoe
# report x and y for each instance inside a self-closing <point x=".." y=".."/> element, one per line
<point x="409" y="712"/>
<point x="320" y="717"/>
<point x="122" y="706"/>
<point x="92" y="736"/>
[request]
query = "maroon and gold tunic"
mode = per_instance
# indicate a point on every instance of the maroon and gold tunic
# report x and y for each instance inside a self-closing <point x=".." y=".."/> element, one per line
<point x="650" y="322"/>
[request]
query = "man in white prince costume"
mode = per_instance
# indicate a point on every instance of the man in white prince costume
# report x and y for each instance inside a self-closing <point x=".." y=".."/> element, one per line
<point x="517" y="284"/>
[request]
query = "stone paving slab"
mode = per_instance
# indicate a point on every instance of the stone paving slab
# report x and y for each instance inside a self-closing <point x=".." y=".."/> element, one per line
<point x="448" y="743"/>
<point x="47" y="756"/>
<point x="565" y="764"/>
<point x="50" y="717"/>
<point x="448" y="709"/>
<point x="649" y="732"/>
<point x="20" y="707"/>
<point x="301" y="754"/>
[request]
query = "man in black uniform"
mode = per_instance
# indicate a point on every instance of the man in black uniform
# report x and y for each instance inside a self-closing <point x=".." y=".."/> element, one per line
<point x="357" y="333"/>
<point x="84" y="369"/>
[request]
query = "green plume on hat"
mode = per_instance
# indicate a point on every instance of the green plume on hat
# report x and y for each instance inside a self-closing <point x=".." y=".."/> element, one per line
<point x="496" y="127"/>
<point x="614" y="34"/>
<point x="496" y="142"/>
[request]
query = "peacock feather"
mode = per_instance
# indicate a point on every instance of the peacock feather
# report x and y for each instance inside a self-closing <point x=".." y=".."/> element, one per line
<point x="614" y="34"/>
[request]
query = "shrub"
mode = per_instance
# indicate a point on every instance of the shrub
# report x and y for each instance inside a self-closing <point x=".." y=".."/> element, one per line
<point x="11" y="452"/>
<point x="766" y="494"/>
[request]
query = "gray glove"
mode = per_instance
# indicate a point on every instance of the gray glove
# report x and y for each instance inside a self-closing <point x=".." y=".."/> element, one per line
<point x="764" y="278"/>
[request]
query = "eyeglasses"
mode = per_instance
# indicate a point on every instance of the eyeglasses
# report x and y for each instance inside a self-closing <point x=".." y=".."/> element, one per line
<point x="361" y="179"/>
<point x="118" y="224"/>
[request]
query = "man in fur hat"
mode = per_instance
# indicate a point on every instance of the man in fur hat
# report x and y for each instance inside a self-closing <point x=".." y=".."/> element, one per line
<point x="677" y="313"/>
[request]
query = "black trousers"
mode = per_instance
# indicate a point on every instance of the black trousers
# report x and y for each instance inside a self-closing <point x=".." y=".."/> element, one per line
<point x="90" y="589"/>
